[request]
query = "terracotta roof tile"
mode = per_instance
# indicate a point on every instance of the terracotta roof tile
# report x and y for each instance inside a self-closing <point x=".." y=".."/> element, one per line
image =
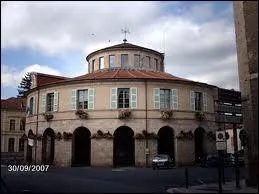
<point x="13" y="103"/>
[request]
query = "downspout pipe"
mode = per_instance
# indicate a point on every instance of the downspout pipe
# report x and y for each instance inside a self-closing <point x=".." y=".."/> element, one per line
<point x="146" y="153"/>
<point x="37" y="126"/>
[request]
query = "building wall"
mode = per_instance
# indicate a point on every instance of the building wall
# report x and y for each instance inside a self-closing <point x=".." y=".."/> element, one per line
<point x="103" y="118"/>
<point x="246" y="28"/>
<point x="6" y="133"/>
<point x="131" y="54"/>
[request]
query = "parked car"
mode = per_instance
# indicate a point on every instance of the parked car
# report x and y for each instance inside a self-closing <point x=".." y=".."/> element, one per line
<point x="162" y="161"/>
<point x="212" y="160"/>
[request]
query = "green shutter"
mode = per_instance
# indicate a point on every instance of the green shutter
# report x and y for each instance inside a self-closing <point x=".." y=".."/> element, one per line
<point x="113" y="98"/>
<point x="156" y="96"/>
<point x="133" y="97"/>
<point x="34" y="105"/>
<point x="192" y="100"/>
<point x="55" y="108"/>
<point x="91" y="94"/>
<point x="73" y="99"/>
<point x="43" y="101"/>
<point x="205" y="101"/>
<point x="174" y="99"/>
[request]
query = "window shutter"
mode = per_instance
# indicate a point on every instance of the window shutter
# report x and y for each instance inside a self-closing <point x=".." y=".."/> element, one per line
<point x="133" y="97"/>
<point x="192" y="100"/>
<point x="156" y="96"/>
<point x="174" y="99"/>
<point x="205" y="102"/>
<point x="73" y="99"/>
<point x="91" y="98"/>
<point x="34" y="105"/>
<point x="55" y="108"/>
<point x="113" y="98"/>
<point x="43" y="100"/>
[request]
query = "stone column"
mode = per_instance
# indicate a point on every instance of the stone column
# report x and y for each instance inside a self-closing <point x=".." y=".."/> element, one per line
<point x="246" y="27"/>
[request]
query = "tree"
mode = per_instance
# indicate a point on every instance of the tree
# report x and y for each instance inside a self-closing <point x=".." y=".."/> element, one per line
<point x="25" y="85"/>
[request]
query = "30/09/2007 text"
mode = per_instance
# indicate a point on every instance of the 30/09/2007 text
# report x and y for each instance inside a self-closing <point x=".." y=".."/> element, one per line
<point x="25" y="168"/>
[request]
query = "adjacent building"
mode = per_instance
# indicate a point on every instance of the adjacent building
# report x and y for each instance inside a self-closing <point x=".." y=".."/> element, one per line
<point x="12" y="125"/>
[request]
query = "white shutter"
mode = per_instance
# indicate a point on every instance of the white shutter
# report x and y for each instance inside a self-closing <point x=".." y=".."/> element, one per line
<point x="91" y="98"/>
<point x="192" y="100"/>
<point x="73" y="99"/>
<point x="133" y="97"/>
<point x="34" y="105"/>
<point x="156" y="98"/>
<point x="55" y="108"/>
<point x="174" y="99"/>
<point x="43" y="101"/>
<point x="205" y="102"/>
<point x="113" y="98"/>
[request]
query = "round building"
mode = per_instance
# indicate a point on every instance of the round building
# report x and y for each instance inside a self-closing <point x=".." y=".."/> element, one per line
<point x="123" y="112"/>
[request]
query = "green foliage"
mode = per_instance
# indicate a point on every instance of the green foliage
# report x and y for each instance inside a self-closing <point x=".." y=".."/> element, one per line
<point x="25" y="85"/>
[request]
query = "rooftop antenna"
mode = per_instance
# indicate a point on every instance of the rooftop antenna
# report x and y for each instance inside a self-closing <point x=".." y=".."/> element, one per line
<point x="125" y="32"/>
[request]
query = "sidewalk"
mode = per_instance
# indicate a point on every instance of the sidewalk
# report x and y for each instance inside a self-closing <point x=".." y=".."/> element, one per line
<point x="229" y="187"/>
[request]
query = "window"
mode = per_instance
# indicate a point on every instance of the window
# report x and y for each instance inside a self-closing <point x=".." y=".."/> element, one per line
<point x="148" y="62"/>
<point x="136" y="60"/>
<point x="31" y="106"/>
<point x="92" y="67"/>
<point x="22" y="125"/>
<point x="11" y="145"/>
<point x="112" y="61"/>
<point x="123" y="97"/>
<point x="165" y="98"/>
<point x="50" y="102"/>
<point x="82" y="99"/>
<point x="198" y="99"/>
<point x="156" y="64"/>
<point x="124" y="60"/>
<point x="101" y="62"/>
<point x="12" y="125"/>
<point x="21" y="145"/>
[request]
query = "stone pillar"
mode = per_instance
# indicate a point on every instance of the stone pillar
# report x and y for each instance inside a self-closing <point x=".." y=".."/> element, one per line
<point x="246" y="27"/>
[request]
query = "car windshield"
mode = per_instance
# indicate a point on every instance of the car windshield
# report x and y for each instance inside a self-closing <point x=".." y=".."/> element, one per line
<point x="161" y="157"/>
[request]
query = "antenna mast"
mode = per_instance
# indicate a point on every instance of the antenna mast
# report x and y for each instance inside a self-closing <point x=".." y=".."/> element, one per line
<point x="125" y="32"/>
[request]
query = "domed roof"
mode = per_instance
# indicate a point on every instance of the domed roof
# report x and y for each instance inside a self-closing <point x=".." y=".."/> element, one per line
<point x="124" y="46"/>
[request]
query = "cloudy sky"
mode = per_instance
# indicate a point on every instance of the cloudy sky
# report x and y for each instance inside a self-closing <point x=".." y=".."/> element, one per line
<point x="55" y="37"/>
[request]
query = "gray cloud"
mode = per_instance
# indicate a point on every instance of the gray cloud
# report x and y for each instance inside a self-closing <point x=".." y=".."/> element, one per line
<point x="198" y="44"/>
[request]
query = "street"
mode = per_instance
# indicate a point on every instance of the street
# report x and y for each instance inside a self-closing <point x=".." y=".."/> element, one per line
<point x="108" y="180"/>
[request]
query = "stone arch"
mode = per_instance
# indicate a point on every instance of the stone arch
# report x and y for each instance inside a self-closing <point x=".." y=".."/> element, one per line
<point x="48" y="146"/>
<point x="199" y="139"/>
<point x="81" y="147"/>
<point x="29" y="148"/>
<point x="123" y="147"/>
<point x="165" y="141"/>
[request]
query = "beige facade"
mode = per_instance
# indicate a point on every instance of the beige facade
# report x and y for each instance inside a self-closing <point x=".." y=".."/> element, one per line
<point x="6" y="133"/>
<point x="104" y="118"/>
<point x="147" y="59"/>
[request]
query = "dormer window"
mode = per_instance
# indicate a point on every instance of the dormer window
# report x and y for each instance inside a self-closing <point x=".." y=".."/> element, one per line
<point x="124" y="60"/>
<point x="101" y="63"/>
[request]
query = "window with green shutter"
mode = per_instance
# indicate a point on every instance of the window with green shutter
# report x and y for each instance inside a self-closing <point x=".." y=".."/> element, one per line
<point x="91" y="94"/>
<point x="156" y="98"/>
<point x="205" y="101"/>
<point x="113" y="101"/>
<point x="133" y="97"/>
<point x="192" y="100"/>
<point x="73" y="99"/>
<point x="175" y="105"/>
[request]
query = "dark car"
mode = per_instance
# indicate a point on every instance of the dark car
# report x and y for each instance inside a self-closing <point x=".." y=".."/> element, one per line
<point x="162" y="161"/>
<point x="212" y="160"/>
